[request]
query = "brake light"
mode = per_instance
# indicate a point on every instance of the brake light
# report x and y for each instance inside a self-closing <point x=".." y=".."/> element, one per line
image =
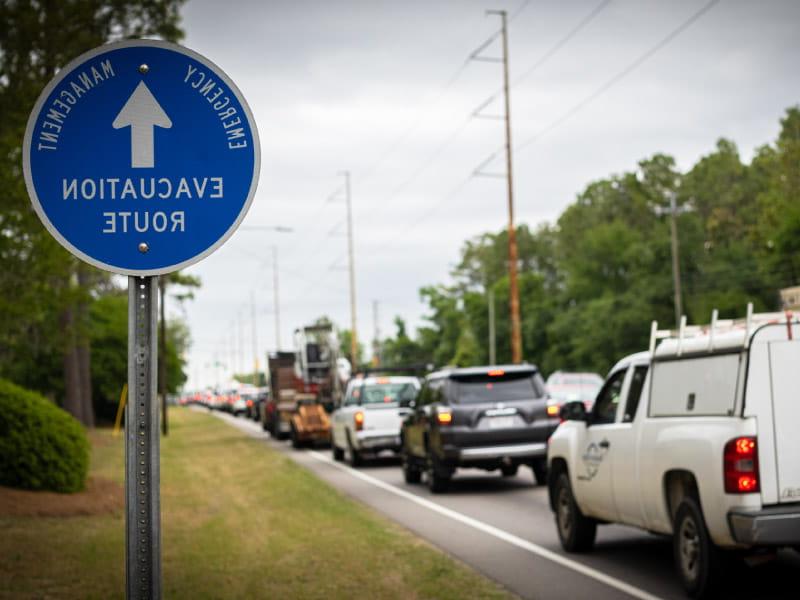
<point x="444" y="417"/>
<point x="382" y="380"/>
<point x="249" y="403"/>
<point x="358" y="419"/>
<point x="740" y="466"/>
<point x="496" y="373"/>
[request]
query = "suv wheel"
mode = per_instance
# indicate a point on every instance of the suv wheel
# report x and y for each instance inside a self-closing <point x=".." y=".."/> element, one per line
<point x="576" y="531"/>
<point x="411" y="472"/>
<point x="437" y="481"/>
<point x="696" y="557"/>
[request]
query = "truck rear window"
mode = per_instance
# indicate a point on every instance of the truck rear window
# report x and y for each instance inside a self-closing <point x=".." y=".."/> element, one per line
<point x="388" y="393"/>
<point x="512" y="387"/>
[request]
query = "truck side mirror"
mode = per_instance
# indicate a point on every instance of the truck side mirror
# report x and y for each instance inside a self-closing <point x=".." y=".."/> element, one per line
<point x="573" y="411"/>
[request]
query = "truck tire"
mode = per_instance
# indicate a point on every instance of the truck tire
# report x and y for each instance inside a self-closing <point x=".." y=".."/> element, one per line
<point x="411" y="472"/>
<point x="437" y="481"/>
<point x="338" y="453"/>
<point x="576" y="531"/>
<point x="698" y="561"/>
<point x="353" y="455"/>
<point x="539" y="467"/>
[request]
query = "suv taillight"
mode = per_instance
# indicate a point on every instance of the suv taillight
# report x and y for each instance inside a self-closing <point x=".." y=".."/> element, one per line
<point x="444" y="416"/>
<point x="740" y="466"/>
<point x="358" y="419"/>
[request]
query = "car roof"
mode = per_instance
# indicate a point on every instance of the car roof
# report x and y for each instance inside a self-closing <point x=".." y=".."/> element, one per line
<point x="483" y="370"/>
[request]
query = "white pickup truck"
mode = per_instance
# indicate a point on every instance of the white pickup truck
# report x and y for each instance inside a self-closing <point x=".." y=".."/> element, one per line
<point x="698" y="438"/>
<point x="369" y="419"/>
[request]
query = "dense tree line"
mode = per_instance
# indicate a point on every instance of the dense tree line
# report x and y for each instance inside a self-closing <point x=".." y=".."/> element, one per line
<point x="56" y="313"/>
<point x="591" y="283"/>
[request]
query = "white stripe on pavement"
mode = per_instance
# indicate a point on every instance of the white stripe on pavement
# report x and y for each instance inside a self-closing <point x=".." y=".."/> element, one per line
<point x="491" y="530"/>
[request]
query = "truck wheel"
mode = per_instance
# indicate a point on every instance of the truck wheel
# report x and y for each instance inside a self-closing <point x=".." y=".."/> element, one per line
<point x="539" y="467"/>
<point x="437" y="482"/>
<point x="411" y="472"/>
<point x="509" y="470"/>
<point x="576" y="531"/>
<point x="697" y="559"/>
<point x="338" y="453"/>
<point x="353" y="455"/>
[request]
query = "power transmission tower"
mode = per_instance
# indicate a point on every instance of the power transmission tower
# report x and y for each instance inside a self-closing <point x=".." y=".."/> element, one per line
<point x="516" y="335"/>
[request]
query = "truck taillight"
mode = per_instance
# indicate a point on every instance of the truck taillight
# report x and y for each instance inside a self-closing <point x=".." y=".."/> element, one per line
<point x="740" y="466"/>
<point x="444" y="417"/>
<point x="358" y="419"/>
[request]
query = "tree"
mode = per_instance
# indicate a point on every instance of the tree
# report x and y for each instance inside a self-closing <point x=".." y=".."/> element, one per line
<point x="46" y="292"/>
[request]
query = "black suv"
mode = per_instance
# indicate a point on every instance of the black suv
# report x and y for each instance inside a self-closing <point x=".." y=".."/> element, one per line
<point x="485" y="417"/>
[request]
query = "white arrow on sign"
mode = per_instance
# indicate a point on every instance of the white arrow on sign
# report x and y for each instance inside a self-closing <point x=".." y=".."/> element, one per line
<point x="142" y="113"/>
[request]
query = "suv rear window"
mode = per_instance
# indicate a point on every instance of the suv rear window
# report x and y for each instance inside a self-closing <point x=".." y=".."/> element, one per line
<point x="511" y="387"/>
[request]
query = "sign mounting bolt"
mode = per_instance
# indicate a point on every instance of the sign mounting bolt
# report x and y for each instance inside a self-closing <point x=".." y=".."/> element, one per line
<point x="143" y="69"/>
<point x="143" y="247"/>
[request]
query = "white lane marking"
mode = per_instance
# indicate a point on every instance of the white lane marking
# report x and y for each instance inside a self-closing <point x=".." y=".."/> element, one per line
<point x="491" y="530"/>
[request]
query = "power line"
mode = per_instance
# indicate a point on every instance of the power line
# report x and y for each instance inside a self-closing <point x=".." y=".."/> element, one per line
<point x="619" y="76"/>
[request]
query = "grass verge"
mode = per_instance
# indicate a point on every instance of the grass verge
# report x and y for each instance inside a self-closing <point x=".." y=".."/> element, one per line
<point x="239" y="520"/>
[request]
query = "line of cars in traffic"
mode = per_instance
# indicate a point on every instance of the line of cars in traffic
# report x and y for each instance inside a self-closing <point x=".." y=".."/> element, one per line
<point x="695" y="438"/>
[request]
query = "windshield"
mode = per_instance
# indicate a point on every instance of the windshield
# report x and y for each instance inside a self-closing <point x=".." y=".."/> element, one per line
<point x="388" y="393"/>
<point x="476" y="389"/>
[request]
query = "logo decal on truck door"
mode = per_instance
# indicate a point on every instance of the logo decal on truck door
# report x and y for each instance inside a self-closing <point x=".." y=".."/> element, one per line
<point x="592" y="459"/>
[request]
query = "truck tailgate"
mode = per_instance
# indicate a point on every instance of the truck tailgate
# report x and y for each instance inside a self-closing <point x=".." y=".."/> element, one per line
<point x="383" y="418"/>
<point x="784" y="359"/>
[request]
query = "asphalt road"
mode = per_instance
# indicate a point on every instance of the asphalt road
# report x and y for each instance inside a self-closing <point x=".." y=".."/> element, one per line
<point x="503" y="528"/>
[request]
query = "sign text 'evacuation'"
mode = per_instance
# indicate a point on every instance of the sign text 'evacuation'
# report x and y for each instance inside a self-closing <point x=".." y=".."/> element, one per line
<point x="143" y="188"/>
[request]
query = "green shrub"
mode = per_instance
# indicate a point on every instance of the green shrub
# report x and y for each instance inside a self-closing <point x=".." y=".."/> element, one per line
<point x="41" y="446"/>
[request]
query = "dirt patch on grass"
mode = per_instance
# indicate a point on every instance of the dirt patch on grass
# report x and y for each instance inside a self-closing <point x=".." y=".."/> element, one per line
<point x="101" y="496"/>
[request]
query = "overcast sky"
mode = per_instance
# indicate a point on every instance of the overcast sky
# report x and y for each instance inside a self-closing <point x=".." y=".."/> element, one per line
<point x="381" y="88"/>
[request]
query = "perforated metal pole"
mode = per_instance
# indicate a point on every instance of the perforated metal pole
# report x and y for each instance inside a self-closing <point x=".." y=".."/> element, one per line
<point x="142" y="490"/>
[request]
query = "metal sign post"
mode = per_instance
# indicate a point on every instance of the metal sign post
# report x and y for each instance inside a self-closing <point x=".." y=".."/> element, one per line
<point x="141" y="158"/>
<point x="142" y="448"/>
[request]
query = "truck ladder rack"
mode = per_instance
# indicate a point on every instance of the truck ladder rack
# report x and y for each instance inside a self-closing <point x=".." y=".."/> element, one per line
<point x="720" y="326"/>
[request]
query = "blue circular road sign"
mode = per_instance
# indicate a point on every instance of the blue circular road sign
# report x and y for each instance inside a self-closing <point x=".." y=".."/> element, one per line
<point x="141" y="157"/>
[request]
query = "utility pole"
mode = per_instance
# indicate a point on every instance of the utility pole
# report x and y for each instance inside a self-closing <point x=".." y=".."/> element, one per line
<point x="376" y="343"/>
<point x="492" y="345"/>
<point x="674" y="211"/>
<point x="253" y="335"/>
<point x="676" y="267"/>
<point x="516" y="335"/>
<point x="276" y="301"/>
<point x="241" y="367"/>
<point x="351" y="265"/>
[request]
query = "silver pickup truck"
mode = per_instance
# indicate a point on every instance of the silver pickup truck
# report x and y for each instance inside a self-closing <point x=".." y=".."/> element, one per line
<point x="369" y="418"/>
